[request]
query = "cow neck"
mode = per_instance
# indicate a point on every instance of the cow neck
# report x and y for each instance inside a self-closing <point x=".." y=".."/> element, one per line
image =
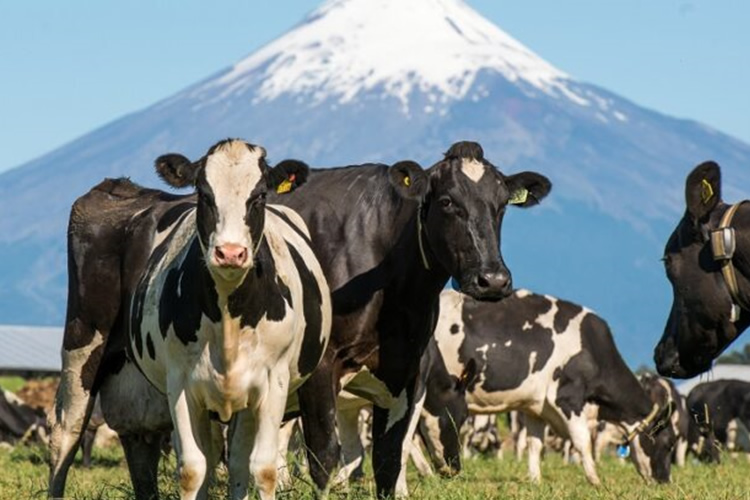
<point x="640" y="413"/>
<point x="424" y="263"/>
<point x="736" y="269"/>
<point x="230" y="326"/>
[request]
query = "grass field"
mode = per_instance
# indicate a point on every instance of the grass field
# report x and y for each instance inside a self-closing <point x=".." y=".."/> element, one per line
<point x="23" y="475"/>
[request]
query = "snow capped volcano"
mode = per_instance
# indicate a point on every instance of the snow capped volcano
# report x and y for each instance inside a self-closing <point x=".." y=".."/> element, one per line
<point x="348" y="47"/>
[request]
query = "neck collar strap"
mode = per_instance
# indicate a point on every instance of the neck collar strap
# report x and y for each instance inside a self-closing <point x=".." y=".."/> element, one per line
<point x="723" y="246"/>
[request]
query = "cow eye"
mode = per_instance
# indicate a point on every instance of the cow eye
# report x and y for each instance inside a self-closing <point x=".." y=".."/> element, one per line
<point x="445" y="202"/>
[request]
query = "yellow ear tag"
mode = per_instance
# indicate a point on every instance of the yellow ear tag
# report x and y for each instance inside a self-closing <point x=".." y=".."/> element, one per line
<point x="407" y="181"/>
<point x="284" y="187"/>
<point x="287" y="184"/>
<point x="707" y="192"/>
<point x="519" y="197"/>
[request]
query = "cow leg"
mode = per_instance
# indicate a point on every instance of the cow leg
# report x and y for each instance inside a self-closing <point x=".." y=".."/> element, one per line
<point x="317" y="400"/>
<point x="680" y="452"/>
<point x="534" y="441"/>
<point x="389" y="431"/>
<point x="191" y="460"/>
<point x="74" y="403"/>
<point x="521" y="441"/>
<point x="578" y="429"/>
<point x="352" y="450"/>
<point x="87" y="446"/>
<point x="265" y="441"/>
<point x="284" y="476"/>
<point x="419" y="460"/>
<point x="402" y="491"/>
<point x="142" y="453"/>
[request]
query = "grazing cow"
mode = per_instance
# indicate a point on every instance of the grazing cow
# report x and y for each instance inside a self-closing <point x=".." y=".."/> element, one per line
<point x="714" y="405"/>
<point x="553" y="360"/>
<point x="387" y="238"/>
<point x="19" y="421"/>
<point x="229" y="312"/>
<point x="662" y="391"/>
<point x="707" y="260"/>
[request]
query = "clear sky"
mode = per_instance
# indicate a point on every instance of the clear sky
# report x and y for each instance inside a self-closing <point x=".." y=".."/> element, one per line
<point x="69" y="67"/>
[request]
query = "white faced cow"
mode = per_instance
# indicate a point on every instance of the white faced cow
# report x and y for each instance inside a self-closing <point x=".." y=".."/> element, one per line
<point x="554" y="361"/>
<point x="230" y="314"/>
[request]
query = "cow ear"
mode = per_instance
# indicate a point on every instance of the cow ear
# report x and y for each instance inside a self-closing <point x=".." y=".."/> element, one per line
<point x="176" y="170"/>
<point x="409" y="179"/>
<point x="527" y="188"/>
<point x="287" y="176"/>
<point x="703" y="190"/>
<point x="468" y="376"/>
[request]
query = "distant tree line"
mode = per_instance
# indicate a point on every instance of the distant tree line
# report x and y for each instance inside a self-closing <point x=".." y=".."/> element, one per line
<point x="737" y="357"/>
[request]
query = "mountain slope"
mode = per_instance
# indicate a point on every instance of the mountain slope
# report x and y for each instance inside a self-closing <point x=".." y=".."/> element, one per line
<point x="384" y="80"/>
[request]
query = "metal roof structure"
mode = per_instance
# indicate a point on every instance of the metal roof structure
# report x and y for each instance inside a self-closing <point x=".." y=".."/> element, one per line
<point x="718" y="372"/>
<point x="30" y="348"/>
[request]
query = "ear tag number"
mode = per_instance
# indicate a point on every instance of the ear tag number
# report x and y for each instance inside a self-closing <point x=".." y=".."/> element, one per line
<point x="707" y="192"/>
<point x="286" y="185"/>
<point x="519" y="197"/>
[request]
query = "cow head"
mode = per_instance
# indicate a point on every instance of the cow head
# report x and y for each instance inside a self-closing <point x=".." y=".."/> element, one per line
<point x="445" y="412"/>
<point x="463" y="201"/>
<point x="651" y="449"/>
<point x="231" y="181"/>
<point x="701" y="437"/>
<point x="700" y="324"/>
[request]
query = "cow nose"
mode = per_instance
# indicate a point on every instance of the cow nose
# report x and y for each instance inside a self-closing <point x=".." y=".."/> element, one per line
<point x="494" y="282"/>
<point x="230" y="255"/>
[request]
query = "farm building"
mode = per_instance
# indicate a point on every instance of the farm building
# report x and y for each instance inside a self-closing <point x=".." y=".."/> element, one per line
<point x="30" y="350"/>
<point x="719" y="372"/>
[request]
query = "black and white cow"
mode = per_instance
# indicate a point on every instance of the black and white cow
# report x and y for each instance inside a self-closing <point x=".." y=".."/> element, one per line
<point x="18" y="420"/>
<point x="230" y="313"/>
<point x="662" y="391"/>
<point x="707" y="260"/>
<point x="714" y="405"/>
<point x="553" y="360"/>
<point x="387" y="238"/>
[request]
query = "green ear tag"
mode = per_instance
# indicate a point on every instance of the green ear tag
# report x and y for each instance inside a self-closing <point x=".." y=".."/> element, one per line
<point x="519" y="197"/>
<point x="707" y="192"/>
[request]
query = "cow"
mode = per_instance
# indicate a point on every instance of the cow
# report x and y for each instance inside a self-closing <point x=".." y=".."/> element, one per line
<point x="662" y="391"/>
<point x="229" y="312"/>
<point x="707" y="262"/>
<point x="554" y="360"/>
<point x="714" y="405"/>
<point x="19" y="421"/>
<point x="388" y="239"/>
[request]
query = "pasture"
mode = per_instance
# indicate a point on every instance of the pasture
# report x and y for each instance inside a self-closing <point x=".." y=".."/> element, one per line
<point x="24" y="476"/>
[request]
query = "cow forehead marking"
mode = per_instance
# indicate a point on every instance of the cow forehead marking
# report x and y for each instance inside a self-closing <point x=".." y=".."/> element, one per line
<point x="472" y="169"/>
<point x="234" y="169"/>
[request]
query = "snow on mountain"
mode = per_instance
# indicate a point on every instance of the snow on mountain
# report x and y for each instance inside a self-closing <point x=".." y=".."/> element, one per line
<point x="386" y="80"/>
<point x="348" y="47"/>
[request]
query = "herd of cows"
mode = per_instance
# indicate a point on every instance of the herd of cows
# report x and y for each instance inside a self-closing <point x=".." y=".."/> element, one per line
<point x="271" y="293"/>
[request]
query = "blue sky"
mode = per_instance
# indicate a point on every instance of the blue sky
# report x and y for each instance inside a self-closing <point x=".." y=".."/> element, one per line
<point x="70" y="67"/>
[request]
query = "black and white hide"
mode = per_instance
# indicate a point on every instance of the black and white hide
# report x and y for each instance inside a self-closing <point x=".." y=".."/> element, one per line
<point x="554" y="361"/>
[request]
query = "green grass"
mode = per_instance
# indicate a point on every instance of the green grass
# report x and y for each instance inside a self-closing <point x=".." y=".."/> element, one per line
<point x="11" y="383"/>
<point x="23" y="475"/>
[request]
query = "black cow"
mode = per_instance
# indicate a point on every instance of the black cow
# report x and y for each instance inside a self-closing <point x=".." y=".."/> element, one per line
<point x="553" y="360"/>
<point x="714" y="405"/>
<point x="387" y="238"/>
<point x="707" y="259"/>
